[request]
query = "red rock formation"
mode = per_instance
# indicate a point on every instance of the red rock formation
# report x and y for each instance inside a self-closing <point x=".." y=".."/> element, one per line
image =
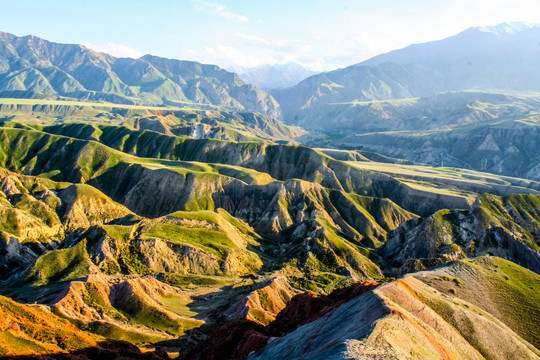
<point x="308" y="307"/>
<point x="238" y="338"/>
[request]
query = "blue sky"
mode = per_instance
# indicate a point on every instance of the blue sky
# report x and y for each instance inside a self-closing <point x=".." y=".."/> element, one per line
<point x="322" y="35"/>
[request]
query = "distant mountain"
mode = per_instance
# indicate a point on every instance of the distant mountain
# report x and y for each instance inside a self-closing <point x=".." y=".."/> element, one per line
<point x="276" y="76"/>
<point x="30" y="66"/>
<point x="505" y="56"/>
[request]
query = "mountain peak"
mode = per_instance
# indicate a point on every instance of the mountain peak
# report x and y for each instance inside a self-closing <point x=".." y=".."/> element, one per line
<point x="507" y="28"/>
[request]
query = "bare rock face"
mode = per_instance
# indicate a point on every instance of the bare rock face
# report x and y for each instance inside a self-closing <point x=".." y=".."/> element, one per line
<point x="506" y="226"/>
<point x="14" y="256"/>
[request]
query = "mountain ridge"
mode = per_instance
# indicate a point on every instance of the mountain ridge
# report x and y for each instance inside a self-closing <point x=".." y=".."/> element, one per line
<point x="39" y="66"/>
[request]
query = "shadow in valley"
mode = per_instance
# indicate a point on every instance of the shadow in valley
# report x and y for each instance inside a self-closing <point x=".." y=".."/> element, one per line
<point x="106" y="350"/>
<point x="215" y="309"/>
<point x="238" y="338"/>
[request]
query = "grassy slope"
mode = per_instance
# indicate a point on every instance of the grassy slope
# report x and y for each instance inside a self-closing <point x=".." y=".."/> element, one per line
<point x="345" y="219"/>
<point x="499" y="287"/>
<point x="39" y="152"/>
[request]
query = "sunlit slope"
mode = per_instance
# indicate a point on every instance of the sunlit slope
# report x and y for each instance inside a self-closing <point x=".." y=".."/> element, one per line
<point x="485" y="308"/>
<point x="21" y="323"/>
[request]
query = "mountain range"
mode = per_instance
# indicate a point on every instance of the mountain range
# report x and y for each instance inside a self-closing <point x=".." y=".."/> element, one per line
<point x="155" y="209"/>
<point x="467" y="101"/>
<point x="499" y="57"/>
<point x="30" y="66"/>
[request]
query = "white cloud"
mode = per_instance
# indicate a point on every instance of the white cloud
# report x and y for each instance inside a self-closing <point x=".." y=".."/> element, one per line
<point x="218" y="9"/>
<point x="117" y="50"/>
<point x="372" y="44"/>
<point x="252" y="38"/>
<point x="233" y="56"/>
<point x="259" y="40"/>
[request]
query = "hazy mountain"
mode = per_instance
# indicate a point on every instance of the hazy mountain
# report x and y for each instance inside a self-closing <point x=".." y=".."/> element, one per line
<point x="277" y="76"/>
<point x="505" y="56"/>
<point x="30" y="66"/>
<point x="465" y="101"/>
<point x="447" y="110"/>
<point x="501" y="147"/>
<point x="486" y="131"/>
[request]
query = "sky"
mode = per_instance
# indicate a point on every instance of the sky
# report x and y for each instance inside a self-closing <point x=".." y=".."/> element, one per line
<point x="318" y="34"/>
